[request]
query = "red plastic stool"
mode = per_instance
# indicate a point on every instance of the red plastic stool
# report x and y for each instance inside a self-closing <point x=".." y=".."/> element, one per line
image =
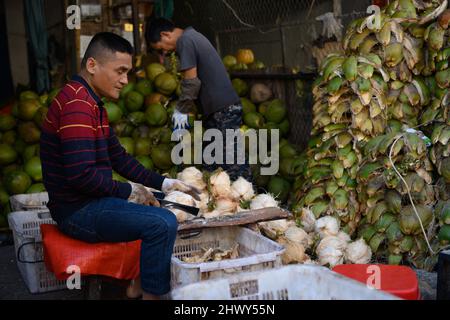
<point x="400" y="281"/>
<point x="94" y="260"/>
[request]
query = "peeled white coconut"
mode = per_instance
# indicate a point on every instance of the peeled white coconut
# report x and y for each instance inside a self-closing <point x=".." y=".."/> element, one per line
<point x="243" y="189"/>
<point x="296" y="234"/>
<point x="294" y="251"/>
<point x="280" y="225"/>
<point x="327" y="226"/>
<point x="264" y="200"/>
<point x="204" y="200"/>
<point x="221" y="185"/>
<point x="344" y="236"/>
<point x="193" y="177"/>
<point x="275" y="228"/>
<point x="226" y="206"/>
<point x="358" y="252"/>
<point x="182" y="198"/>
<point x="210" y="214"/>
<point x="240" y="209"/>
<point x="331" y="250"/>
<point x="308" y="261"/>
<point x="308" y="220"/>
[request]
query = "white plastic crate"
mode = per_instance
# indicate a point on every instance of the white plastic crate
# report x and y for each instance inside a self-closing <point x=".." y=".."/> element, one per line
<point x="29" y="202"/>
<point x="255" y="253"/>
<point x="294" y="282"/>
<point x="25" y="226"/>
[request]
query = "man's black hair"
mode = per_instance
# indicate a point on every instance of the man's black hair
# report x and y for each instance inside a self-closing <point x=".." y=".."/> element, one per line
<point x="106" y="41"/>
<point x="154" y="28"/>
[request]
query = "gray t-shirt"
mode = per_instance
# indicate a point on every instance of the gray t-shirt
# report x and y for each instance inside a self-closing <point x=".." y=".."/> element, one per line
<point x="195" y="50"/>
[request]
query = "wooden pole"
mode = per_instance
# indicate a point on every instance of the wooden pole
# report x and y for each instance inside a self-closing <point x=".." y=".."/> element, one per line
<point x="337" y="10"/>
<point x="136" y="35"/>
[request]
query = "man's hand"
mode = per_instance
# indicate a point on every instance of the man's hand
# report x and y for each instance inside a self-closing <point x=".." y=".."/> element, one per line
<point x="141" y="195"/>
<point x="175" y="184"/>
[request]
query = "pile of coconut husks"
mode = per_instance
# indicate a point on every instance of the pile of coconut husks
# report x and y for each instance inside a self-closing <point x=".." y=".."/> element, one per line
<point x="211" y="254"/>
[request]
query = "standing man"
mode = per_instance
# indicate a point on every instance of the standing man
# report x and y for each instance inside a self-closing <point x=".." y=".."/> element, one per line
<point x="79" y="152"/>
<point x="204" y="78"/>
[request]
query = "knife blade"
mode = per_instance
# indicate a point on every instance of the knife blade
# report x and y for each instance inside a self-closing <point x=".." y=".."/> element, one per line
<point x="169" y="204"/>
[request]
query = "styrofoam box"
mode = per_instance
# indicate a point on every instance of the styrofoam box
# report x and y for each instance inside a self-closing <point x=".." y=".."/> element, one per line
<point x="294" y="282"/>
<point x="256" y="252"/>
<point x="29" y="202"/>
<point x="25" y="226"/>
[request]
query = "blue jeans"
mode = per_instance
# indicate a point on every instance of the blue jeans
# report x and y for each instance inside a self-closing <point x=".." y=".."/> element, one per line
<point x="117" y="220"/>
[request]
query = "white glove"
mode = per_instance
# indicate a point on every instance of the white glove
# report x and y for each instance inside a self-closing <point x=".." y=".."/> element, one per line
<point x="331" y="26"/>
<point x="142" y="195"/>
<point x="169" y="185"/>
<point x="180" y="120"/>
<point x="180" y="124"/>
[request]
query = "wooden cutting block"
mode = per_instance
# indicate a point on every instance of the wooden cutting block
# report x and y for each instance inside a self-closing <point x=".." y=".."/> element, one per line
<point x="239" y="219"/>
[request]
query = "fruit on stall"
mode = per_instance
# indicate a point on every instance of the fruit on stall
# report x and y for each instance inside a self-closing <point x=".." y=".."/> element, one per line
<point x="245" y="56"/>
<point x="114" y="112"/>
<point x="134" y="101"/>
<point x="153" y="70"/>
<point x="166" y="83"/>
<point x="229" y="61"/>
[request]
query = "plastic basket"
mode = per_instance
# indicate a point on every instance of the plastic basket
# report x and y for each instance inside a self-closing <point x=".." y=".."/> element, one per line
<point x="294" y="282"/>
<point x="255" y="253"/>
<point x="29" y="202"/>
<point x="25" y="226"/>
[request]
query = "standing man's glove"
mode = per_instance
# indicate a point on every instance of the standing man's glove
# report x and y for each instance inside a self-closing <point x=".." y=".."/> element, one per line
<point x="141" y="195"/>
<point x="180" y="120"/>
<point x="180" y="123"/>
<point x="175" y="184"/>
<point x="189" y="93"/>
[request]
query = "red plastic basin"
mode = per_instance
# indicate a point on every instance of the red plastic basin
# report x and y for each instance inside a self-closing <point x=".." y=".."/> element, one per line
<point x="400" y="281"/>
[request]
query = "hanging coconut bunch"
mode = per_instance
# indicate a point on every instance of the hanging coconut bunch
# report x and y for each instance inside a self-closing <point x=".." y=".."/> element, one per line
<point x="440" y="157"/>
<point x="443" y="213"/>
<point x="367" y="161"/>
<point x="329" y="180"/>
<point x="439" y="109"/>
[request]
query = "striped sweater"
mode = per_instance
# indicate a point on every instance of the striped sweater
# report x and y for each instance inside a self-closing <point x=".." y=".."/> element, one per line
<point x="79" y="150"/>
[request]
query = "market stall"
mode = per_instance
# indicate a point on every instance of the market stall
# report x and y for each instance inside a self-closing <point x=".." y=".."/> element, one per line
<point x="362" y="122"/>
